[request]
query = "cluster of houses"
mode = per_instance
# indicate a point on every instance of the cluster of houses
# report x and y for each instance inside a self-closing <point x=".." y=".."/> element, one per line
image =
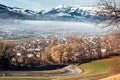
<point x="31" y="53"/>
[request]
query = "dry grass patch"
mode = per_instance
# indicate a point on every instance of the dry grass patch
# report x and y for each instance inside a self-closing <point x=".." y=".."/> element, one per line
<point x="114" y="77"/>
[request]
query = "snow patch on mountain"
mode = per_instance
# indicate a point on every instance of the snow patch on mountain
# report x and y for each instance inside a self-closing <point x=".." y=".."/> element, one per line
<point x="62" y="14"/>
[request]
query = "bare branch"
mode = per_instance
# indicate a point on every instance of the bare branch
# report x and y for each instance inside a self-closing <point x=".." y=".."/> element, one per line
<point x="111" y="10"/>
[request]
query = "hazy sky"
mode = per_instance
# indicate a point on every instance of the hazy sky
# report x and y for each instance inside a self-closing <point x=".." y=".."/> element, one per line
<point x="45" y="4"/>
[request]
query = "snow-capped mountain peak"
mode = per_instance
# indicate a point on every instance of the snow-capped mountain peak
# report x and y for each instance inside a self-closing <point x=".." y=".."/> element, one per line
<point x="62" y="12"/>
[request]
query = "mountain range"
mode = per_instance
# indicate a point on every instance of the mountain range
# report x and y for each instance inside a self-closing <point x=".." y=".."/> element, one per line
<point x="60" y="13"/>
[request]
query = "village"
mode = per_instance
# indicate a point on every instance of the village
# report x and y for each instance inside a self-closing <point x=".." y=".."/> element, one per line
<point x="63" y="49"/>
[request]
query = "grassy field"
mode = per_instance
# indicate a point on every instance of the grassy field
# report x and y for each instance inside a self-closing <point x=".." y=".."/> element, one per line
<point x="93" y="70"/>
<point x="96" y="67"/>
<point x="15" y="41"/>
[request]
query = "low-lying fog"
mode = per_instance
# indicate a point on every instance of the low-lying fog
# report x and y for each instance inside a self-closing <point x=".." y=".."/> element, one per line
<point x="48" y="27"/>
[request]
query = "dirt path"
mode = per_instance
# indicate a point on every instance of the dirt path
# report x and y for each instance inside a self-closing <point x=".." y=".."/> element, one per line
<point x="69" y="70"/>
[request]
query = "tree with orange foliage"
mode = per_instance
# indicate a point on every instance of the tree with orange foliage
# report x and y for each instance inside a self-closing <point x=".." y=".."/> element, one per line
<point x="63" y="53"/>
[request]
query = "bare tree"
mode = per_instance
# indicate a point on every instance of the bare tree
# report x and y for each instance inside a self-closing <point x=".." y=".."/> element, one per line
<point x="110" y="11"/>
<point x="5" y="53"/>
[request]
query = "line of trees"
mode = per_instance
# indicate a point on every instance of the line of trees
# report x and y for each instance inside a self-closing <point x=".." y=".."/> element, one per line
<point x="82" y="52"/>
<point x="74" y="50"/>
